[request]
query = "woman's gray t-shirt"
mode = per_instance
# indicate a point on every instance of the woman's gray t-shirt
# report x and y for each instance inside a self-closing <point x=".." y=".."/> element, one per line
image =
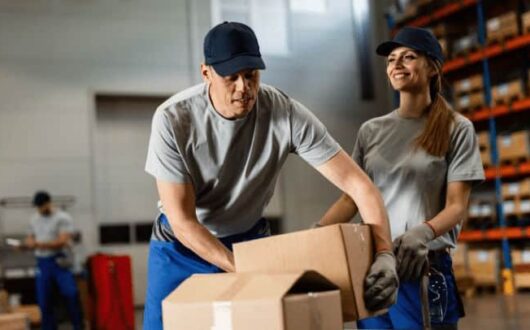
<point x="413" y="183"/>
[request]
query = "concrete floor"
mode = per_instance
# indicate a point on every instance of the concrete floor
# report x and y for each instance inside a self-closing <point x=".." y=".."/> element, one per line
<point x="484" y="312"/>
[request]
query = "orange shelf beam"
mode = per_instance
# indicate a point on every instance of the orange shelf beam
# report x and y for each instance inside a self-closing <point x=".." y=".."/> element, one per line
<point x="501" y="110"/>
<point x="487" y="52"/>
<point x="493" y="234"/>
<point x="438" y="14"/>
<point x="508" y="171"/>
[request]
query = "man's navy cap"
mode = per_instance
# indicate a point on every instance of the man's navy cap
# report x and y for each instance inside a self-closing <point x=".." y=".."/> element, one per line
<point x="416" y="38"/>
<point x="231" y="47"/>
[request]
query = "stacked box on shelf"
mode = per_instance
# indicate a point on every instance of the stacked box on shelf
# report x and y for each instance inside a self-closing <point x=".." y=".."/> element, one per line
<point x="514" y="147"/>
<point x="468" y="103"/>
<point x="525" y="20"/>
<point x="507" y="92"/>
<point x="521" y="267"/>
<point x="463" y="277"/>
<point x="517" y="196"/>
<point x="502" y="27"/>
<point x="481" y="214"/>
<point x="484" y="147"/>
<point x="485" y="267"/>
<point x="466" y="44"/>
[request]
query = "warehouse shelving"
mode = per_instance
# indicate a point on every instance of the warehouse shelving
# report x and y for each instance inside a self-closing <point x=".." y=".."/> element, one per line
<point x="437" y="15"/>
<point x="462" y="65"/>
<point x="487" y="52"/>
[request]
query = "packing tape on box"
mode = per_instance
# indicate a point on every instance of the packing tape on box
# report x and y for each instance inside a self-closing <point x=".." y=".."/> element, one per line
<point x="222" y="315"/>
<point x="314" y="312"/>
<point x="222" y="306"/>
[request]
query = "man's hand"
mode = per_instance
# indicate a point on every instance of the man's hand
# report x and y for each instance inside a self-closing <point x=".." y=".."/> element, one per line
<point x="412" y="252"/>
<point x="381" y="283"/>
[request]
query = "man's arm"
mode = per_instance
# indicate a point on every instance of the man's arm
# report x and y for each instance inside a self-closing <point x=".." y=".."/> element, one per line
<point x="344" y="173"/>
<point x="179" y="206"/>
<point x="59" y="243"/>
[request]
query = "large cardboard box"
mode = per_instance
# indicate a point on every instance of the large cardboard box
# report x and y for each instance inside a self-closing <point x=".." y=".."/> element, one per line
<point x="485" y="267"/>
<point x="470" y="84"/>
<point x="342" y="253"/>
<point x="31" y="311"/>
<point x="257" y="301"/>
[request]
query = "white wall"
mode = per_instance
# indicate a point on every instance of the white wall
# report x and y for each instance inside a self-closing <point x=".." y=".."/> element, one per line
<point x="56" y="55"/>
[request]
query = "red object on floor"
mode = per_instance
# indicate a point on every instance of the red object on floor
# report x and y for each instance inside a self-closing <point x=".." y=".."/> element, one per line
<point x="111" y="292"/>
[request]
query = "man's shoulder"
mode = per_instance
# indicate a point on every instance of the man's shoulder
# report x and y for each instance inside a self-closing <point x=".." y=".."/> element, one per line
<point x="185" y="99"/>
<point x="61" y="215"/>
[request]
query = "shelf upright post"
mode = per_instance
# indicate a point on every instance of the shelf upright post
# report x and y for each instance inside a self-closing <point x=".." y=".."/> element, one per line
<point x="507" y="272"/>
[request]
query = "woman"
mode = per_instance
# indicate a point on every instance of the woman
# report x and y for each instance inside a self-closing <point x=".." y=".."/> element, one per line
<point x="424" y="158"/>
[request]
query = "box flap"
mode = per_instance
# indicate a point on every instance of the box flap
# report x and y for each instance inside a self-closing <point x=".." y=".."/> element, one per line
<point x="247" y="286"/>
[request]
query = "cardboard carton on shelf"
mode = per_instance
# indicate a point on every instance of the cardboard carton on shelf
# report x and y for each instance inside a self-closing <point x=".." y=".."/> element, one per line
<point x="484" y="266"/>
<point x="514" y="147"/>
<point x="343" y="253"/>
<point x="470" y="102"/>
<point x="525" y="19"/>
<point x="507" y="92"/>
<point x="502" y="27"/>
<point x="470" y="84"/>
<point x="258" y="301"/>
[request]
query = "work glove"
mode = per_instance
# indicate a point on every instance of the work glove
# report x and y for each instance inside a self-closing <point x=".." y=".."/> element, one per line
<point x="412" y="252"/>
<point x="381" y="282"/>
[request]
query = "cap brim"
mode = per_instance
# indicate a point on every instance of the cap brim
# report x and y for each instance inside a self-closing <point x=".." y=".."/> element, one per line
<point x="240" y="63"/>
<point x="387" y="47"/>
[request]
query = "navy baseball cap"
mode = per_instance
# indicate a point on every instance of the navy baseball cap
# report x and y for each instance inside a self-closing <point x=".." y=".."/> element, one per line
<point x="231" y="47"/>
<point x="416" y="38"/>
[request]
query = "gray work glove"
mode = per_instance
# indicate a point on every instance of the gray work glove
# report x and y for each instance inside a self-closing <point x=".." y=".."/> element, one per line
<point x="412" y="252"/>
<point x="381" y="282"/>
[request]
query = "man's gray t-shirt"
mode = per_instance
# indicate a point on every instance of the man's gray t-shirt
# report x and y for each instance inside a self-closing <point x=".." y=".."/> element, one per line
<point x="47" y="228"/>
<point x="414" y="183"/>
<point x="232" y="164"/>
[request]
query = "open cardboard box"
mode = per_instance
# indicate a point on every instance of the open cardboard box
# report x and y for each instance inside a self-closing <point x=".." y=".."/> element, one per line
<point x="258" y="301"/>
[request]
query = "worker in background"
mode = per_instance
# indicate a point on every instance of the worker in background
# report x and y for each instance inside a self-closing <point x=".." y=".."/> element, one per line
<point x="424" y="158"/>
<point x="49" y="236"/>
<point x="216" y="150"/>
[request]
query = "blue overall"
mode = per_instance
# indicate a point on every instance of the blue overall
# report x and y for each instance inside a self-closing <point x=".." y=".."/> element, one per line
<point x="170" y="263"/>
<point x="49" y="273"/>
<point x="443" y="298"/>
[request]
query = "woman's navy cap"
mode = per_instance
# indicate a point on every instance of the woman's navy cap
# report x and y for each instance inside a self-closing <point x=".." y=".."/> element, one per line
<point x="416" y="38"/>
<point x="231" y="47"/>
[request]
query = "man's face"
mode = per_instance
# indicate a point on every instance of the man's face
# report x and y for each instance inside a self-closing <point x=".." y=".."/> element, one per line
<point x="232" y="96"/>
<point x="45" y="209"/>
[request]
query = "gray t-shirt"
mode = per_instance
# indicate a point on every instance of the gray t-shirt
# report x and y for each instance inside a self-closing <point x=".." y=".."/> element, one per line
<point x="47" y="228"/>
<point x="414" y="183"/>
<point x="232" y="164"/>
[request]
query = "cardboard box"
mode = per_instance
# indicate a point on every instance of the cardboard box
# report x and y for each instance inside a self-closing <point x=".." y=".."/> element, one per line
<point x="471" y="84"/>
<point x="526" y="22"/>
<point x="508" y="92"/>
<point x="31" y="311"/>
<point x="342" y="253"/>
<point x="514" y="147"/>
<point x="465" y="44"/>
<point x="502" y="27"/>
<point x="470" y="102"/>
<point x="258" y="301"/>
<point x="484" y="266"/>
<point x="14" y="321"/>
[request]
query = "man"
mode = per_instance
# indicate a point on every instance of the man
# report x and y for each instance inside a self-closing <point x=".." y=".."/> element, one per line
<point x="49" y="235"/>
<point x="216" y="150"/>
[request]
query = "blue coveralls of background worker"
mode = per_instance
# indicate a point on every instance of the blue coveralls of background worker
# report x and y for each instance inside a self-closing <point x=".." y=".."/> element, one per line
<point x="49" y="234"/>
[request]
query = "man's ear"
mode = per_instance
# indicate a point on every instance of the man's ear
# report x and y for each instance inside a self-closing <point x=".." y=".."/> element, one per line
<point x="206" y="73"/>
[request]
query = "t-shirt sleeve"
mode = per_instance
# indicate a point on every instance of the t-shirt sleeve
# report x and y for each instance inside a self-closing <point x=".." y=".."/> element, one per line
<point x="309" y="137"/>
<point x="464" y="162"/>
<point x="66" y="225"/>
<point x="358" y="149"/>
<point x="164" y="160"/>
